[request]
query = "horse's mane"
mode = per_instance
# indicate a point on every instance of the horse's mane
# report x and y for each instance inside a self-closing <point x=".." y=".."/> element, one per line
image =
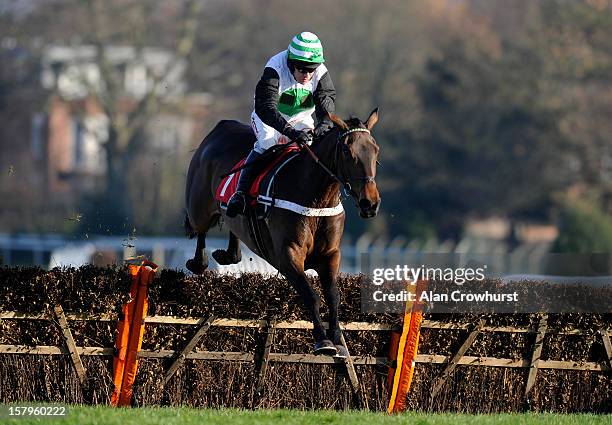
<point x="352" y="122"/>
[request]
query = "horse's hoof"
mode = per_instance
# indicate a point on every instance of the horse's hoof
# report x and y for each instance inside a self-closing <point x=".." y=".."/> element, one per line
<point x="342" y="351"/>
<point x="325" y="347"/>
<point x="195" y="267"/>
<point x="222" y="257"/>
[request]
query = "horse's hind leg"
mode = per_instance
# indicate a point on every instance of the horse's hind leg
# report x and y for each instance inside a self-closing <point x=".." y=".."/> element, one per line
<point x="231" y="255"/>
<point x="199" y="262"/>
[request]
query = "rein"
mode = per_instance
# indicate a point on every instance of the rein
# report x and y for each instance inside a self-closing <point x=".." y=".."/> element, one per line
<point x="345" y="184"/>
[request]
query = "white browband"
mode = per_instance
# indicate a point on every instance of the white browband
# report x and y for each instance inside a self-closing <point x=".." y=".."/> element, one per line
<point x="353" y="130"/>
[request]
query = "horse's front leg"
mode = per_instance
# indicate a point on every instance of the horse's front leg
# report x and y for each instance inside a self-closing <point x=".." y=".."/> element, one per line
<point x="328" y="274"/>
<point x="292" y="267"/>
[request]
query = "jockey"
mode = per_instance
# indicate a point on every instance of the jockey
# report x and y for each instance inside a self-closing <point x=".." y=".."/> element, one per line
<point x="295" y="83"/>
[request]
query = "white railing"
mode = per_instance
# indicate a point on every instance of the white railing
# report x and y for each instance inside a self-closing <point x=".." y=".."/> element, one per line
<point x="172" y="252"/>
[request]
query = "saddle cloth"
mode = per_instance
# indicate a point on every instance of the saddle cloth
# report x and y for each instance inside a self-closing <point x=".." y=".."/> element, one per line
<point x="229" y="184"/>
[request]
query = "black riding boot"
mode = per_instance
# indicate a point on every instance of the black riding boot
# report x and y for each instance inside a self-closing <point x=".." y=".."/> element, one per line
<point x="238" y="202"/>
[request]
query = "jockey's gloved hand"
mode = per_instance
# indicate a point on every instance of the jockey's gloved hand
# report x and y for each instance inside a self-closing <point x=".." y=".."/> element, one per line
<point x="301" y="137"/>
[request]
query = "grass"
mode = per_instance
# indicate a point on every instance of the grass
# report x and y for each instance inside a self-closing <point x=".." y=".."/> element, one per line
<point x="83" y="415"/>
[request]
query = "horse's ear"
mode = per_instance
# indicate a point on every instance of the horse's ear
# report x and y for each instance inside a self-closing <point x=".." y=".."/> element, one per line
<point x="372" y="119"/>
<point x="338" y="121"/>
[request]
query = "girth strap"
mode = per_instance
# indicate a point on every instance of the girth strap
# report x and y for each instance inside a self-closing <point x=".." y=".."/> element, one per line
<point x="256" y="233"/>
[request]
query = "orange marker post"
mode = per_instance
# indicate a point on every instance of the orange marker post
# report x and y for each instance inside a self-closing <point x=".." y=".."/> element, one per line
<point x="130" y="331"/>
<point x="407" y="347"/>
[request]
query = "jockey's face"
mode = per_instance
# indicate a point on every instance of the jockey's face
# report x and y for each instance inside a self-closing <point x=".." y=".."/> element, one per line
<point x="302" y="76"/>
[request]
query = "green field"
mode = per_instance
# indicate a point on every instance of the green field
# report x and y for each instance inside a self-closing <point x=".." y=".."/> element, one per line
<point x="81" y="415"/>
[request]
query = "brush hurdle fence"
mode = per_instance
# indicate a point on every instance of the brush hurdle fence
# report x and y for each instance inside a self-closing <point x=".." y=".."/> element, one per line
<point x="265" y="354"/>
<point x="398" y="365"/>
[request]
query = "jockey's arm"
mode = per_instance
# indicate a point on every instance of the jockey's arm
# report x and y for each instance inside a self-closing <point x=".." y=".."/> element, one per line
<point x="266" y="99"/>
<point x="325" y="99"/>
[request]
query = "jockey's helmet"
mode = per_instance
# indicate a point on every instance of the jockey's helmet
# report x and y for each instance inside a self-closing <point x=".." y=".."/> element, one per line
<point x="306" y="50"/>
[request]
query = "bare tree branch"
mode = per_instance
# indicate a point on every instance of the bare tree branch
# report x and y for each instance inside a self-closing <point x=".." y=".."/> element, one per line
<point x="151" y="101"/>
<point x="108" y="75"/>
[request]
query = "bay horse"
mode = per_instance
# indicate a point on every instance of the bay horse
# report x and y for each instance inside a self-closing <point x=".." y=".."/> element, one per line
<point x="289" y="241"/>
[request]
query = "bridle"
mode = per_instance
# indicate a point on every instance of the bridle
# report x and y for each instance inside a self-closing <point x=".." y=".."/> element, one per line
<point x="346" y="150"/>
<point x="344" y="183"/>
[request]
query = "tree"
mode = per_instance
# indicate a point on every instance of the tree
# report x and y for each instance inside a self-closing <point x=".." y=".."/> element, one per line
<point x="579" y="45"/>
<point x="105" y="25"/>
<point x="488" y="143"/>
<point x="583" y="229"/>
<point x="125" y="135"/>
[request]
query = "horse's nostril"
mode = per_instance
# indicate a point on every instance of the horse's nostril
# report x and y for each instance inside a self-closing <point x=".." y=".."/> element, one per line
<point x="365" y="204"/>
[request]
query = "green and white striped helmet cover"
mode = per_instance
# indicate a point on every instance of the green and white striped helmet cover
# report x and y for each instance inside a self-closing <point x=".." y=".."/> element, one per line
<point x="306" y="47"/>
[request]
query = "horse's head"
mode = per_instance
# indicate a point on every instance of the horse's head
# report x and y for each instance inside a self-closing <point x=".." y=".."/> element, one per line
<point x="357" y="160"/>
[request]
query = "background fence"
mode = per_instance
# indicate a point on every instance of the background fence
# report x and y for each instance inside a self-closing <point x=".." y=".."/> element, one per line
<point x="50" y="251"/>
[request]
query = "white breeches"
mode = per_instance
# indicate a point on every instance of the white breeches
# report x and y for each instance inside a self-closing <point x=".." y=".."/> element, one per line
<point x="268" y="137"/>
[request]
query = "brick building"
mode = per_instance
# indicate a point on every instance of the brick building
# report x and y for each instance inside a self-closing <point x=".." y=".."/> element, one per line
<point x="67" y="138"/>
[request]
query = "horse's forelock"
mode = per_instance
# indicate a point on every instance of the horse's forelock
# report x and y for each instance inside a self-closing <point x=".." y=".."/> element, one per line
<point x="354" y="122"/>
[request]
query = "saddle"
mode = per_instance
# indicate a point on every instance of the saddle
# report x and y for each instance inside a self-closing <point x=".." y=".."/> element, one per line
<point x="262" y="184"/>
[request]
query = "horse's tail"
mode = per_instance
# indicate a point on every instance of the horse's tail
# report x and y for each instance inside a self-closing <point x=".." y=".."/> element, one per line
<point x="188" y="229"/>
